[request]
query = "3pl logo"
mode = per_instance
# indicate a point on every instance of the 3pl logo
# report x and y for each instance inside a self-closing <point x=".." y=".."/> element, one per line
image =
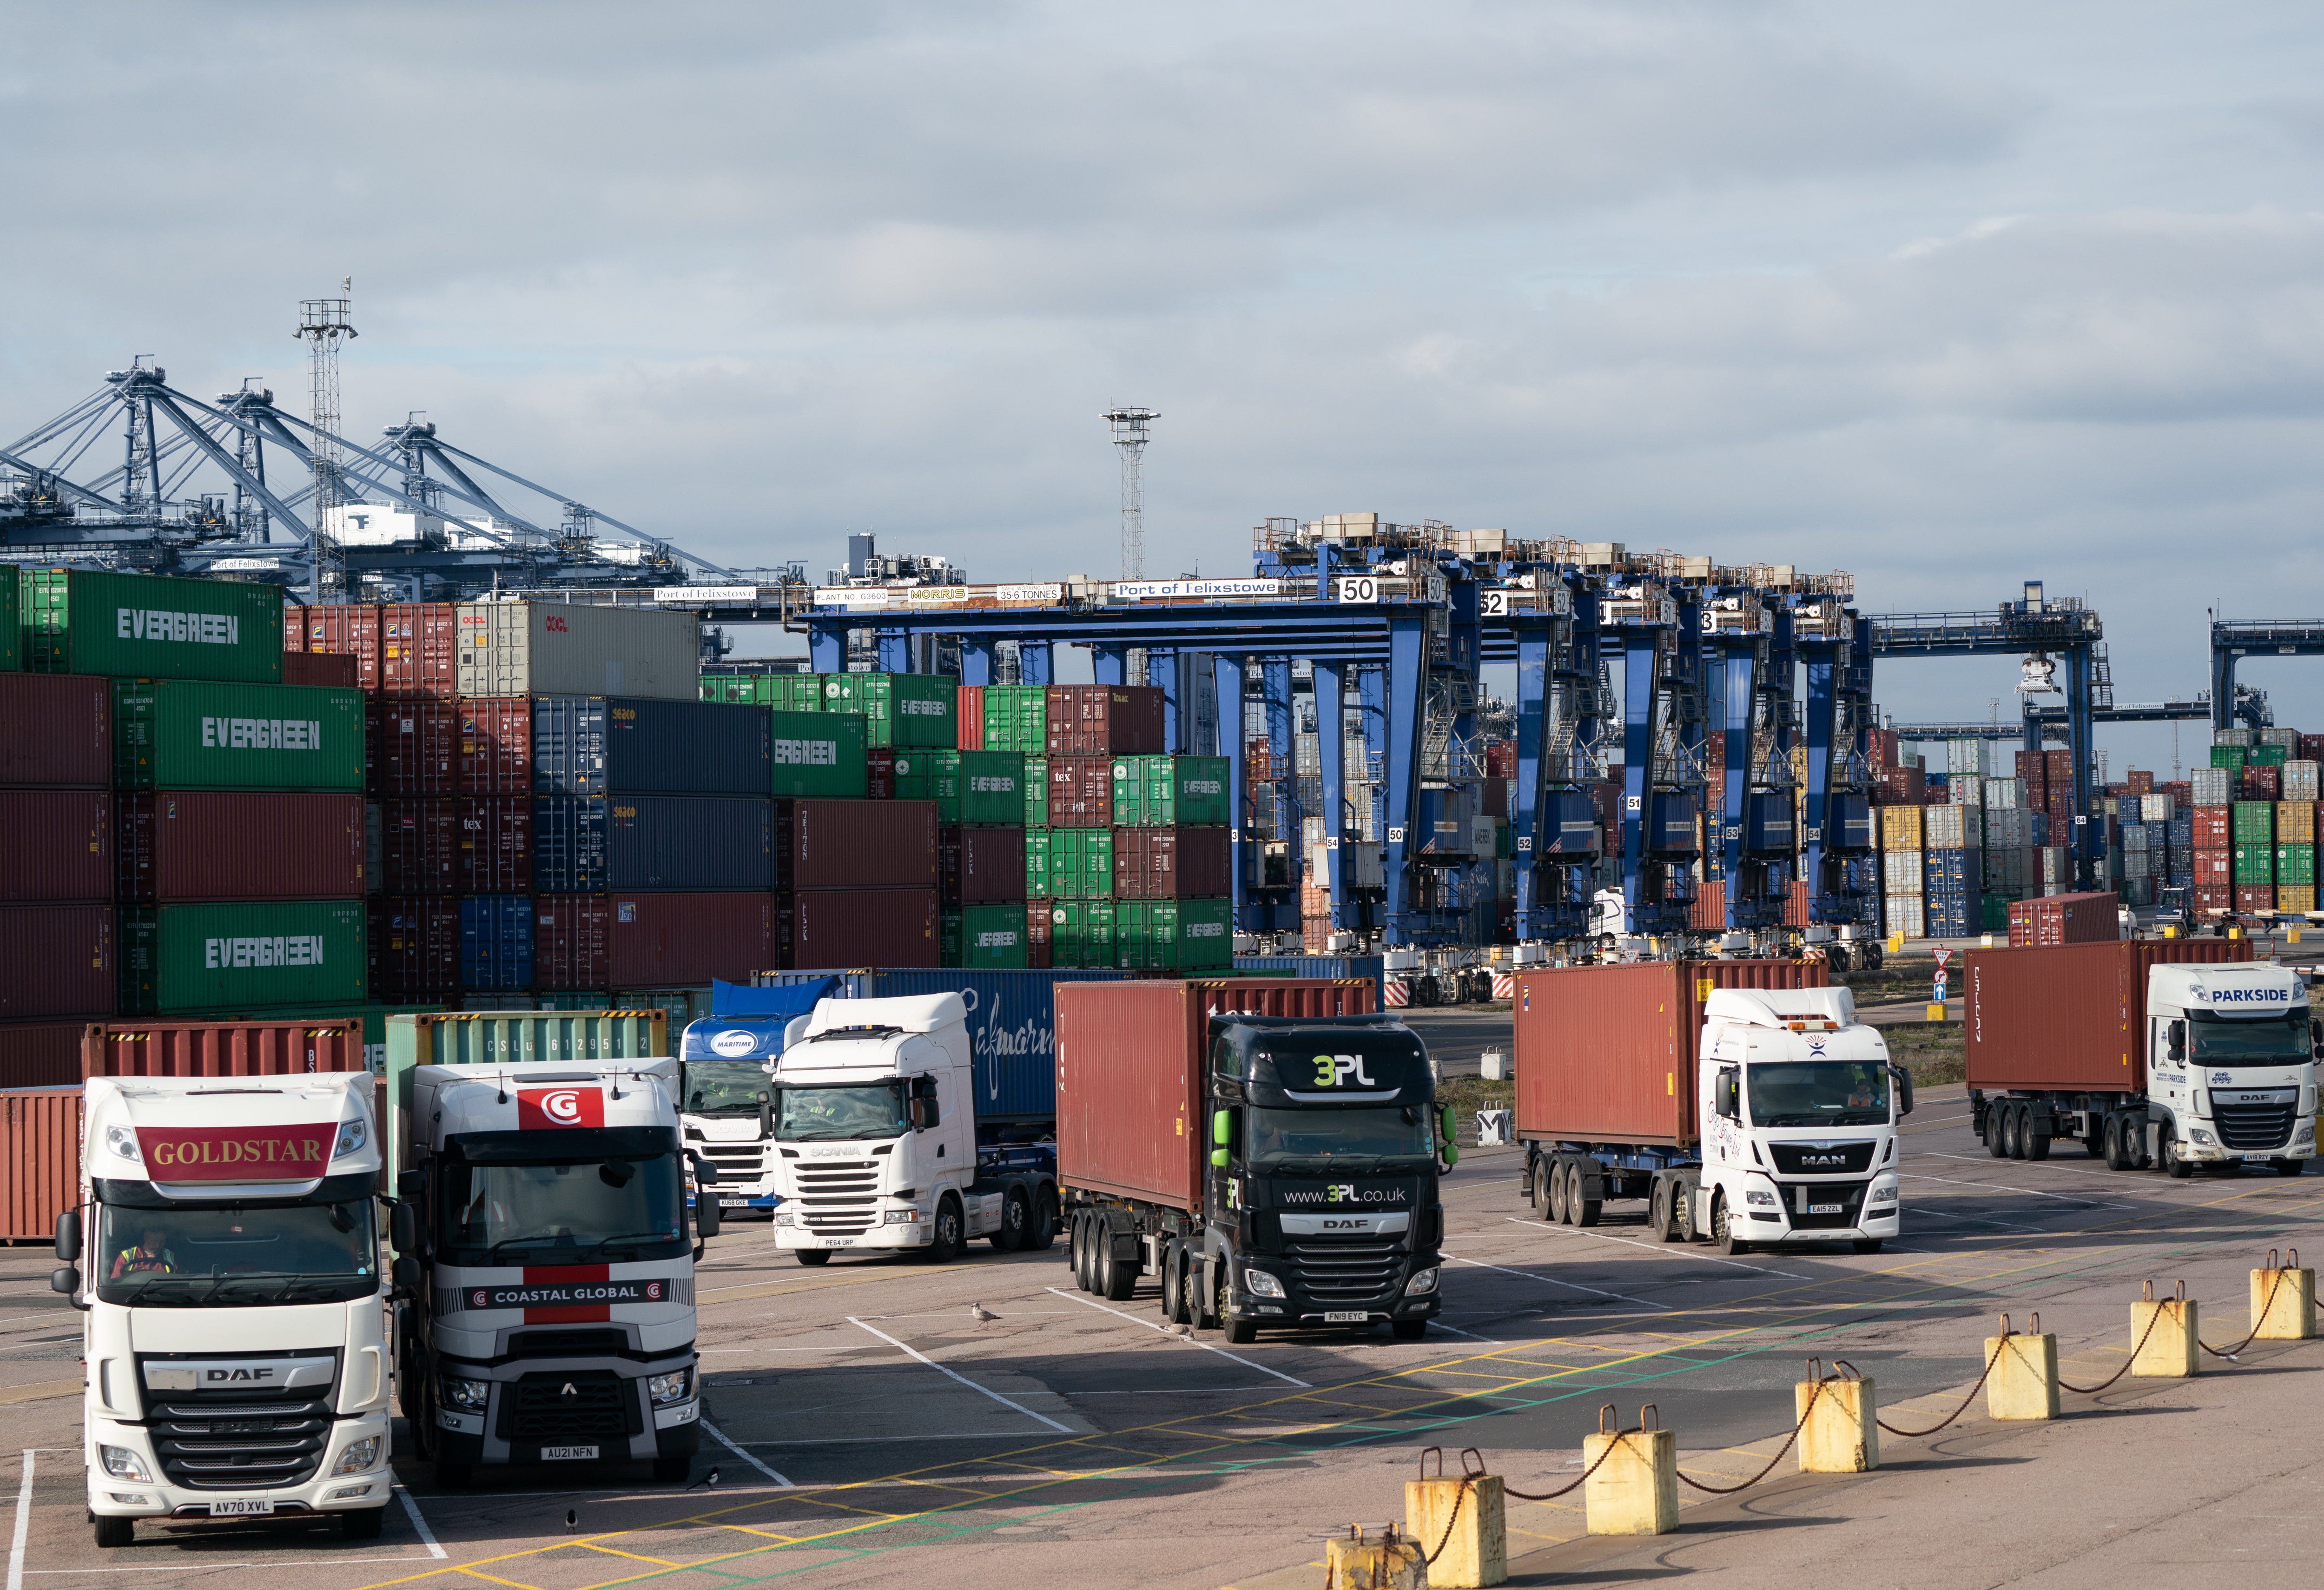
<point x="546" y="1108"/>
<point x="1331" y="1069"/>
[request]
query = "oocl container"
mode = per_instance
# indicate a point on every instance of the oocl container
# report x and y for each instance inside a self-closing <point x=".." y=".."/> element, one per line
<point x="855" y="845"/>
<point x="574" y="649"/>
<point x="636" y="746"/>
<point x="817" y="754"/>
<point x="60" y="845"/>
<point x="150" y="626"/>
<point x="198" y="844"/>
<point x="56" y="960"/>
<point x="1167" y="791"/>
<point x="243" y="955"/>
<point x="55" y="730"/>
<point x="858" y="927"/>
<point x="586" y="845"/>
<point x="188" y="734"/>
<point x="494" y="753"/>
<point x="898" y="710"/>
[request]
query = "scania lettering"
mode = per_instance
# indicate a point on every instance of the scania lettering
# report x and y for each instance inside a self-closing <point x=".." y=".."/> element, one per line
<point x="235" y="1321"/>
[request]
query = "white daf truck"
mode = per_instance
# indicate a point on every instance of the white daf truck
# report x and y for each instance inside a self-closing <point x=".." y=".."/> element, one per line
<point x="236" y="1322"/>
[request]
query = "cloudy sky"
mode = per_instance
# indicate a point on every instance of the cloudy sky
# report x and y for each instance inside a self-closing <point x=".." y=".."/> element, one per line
<point x="1947" y="296"/>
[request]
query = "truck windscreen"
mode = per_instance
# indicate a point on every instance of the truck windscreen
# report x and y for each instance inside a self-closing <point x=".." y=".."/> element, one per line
<point x="840" y="1112"/>
<point x="236" y="1255"/>
<point x="724" y="1088"/>
<point x="2249" y="1043"/>
<point x="606" y="1211"/>
<point x="1385" y="1131"/>
<point x="1818" y="1093"/>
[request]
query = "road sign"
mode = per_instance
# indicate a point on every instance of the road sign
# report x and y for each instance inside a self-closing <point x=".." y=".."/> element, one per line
<point x="1943" y="955"/>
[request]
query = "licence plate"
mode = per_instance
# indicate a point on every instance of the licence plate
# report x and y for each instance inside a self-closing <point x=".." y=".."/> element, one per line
<point x="1823" y="1208"/>
<point x="566" y="1454"/>
<point x="1345" y="1316"/>
<point x="733" y="1202"/>
<point x="234" y="1509"/>
<point x="839" y="1242"/>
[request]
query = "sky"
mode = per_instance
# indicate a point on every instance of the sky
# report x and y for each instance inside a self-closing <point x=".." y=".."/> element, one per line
<point x="1949" y="297"/>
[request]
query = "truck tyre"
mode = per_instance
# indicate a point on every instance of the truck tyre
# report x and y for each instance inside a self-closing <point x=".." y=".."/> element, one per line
<point x="2013" y="1132"/>
<point x="2178" y="1168"/>
<point x="1994" y="1109"/>
<point x="365" y="1524"/>
<point x="1658" y="1213"/>
<point x="1120" y="1275"/>
<point x="944" y="1239"/>
<point x="115" y="1531"/>
<point x="2117" y="1146"/>
<point x="1409" y="1330"/>
<point x="1085" y="1255"/>
<point x="1683" y="1210"/>
<point x="1242" y="1333"/>
<point x="811" y="1257"/>
<point x="2289" y="1167"/>
<point x="1723" y="1230"/>
<point x="1173" y="1283"/>
<point x="1015" y="1220"/>
<point x="2032" y="1135"/>
<point x="453" y="1477"/>
<point x="1556" y="1179"/>
<point x="1583" y="1207"/>
<point x="672" y="1470"/>
<point x="1045" y="1225"/>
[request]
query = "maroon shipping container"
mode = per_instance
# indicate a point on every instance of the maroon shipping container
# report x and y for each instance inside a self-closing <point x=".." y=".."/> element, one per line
<point x="1607" y="1053"/>
<point x="420" y="847"/>
<point x="335" y="669"/>
<point x="411" y="747"/>
<point x="275" y="1047"/>
<point x="213" y="845"/>
<point x="2063" y="918"/>
<point x="970" y="710"/>
<point x="39" y="1054"/>
<point x="1105" y="720"/>
<point x="817" y="927"/>
<point x="419" y="650"/>
<point x="568" y="944"/>
<point x="495" y="845"/>
<point x="590" y="941"/>
<point x="1080" y="791"/>
<point x="1173" y="864"/>
<point x="1131" y="1120"/>
<point x="1038" y="939"/>
<point x="879" y="773"/>
<point x="2214" y="897"/>
<point x="981" y="866"/>
<point x="40" y="1159"/>
<point x="855" y="845"/>
<point x="2072" y="1015"/>
<point x="2263" y="783"/>
<point x="414" y="944"/>
<point x="352" y="627"/>
<point x="2260" y="897"/>
<point x="60" y="845"/>
<point x="56" y="731"/>
<point x="56" y="960"/>
<point x="495" y="748"/>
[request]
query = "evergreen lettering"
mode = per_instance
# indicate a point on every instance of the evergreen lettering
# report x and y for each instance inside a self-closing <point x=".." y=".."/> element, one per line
<point x="199" y="629"/>
<point x="281" y="949"/>
<point x="263" y="734"/>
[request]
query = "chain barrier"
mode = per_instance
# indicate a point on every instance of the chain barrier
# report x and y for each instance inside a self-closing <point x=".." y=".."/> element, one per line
<point x="1815" y="1390"/>
<point x="1999" y="1348"/>
<point x="1468" y="1476"/>
<point x="2276" y="1272"/>
<point x="2153" y="1321"/>
<point x="1620" y="1437"/>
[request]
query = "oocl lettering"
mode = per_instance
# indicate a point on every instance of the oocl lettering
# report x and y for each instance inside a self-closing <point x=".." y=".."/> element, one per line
<point x="197" y="629"/>
<point x="552" y="624"/>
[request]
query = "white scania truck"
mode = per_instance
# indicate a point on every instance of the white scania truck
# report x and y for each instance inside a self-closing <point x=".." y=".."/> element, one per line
<point x="236" y="1329"/>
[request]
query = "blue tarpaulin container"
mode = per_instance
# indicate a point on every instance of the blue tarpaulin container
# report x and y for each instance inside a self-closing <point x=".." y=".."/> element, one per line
<point x="583" y="844"/>
<point x="630" y="746"/>
<point x="496" y="941"/>
<point x="1367" y="967"/>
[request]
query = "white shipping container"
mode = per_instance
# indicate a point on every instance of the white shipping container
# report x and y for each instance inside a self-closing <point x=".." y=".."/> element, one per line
<point x="2134" y="839"/>
<point x="2055" y="867"/>
<point x="2133" y="864"/>
<point x="1952" y="827"/>
<point x="2300" y="781"/>
<point x="1900" y="872"/>
<point x="1967" y="790"/>
<point x="2157" y="808"/>
<point x="1901" y="912"/>
<point x="576" y="649"/>
<point x="2237" y="735"/>
<point x="2213" y="786"/>
<point x="2004" y="794"/>
<point x="2287" y="738"/>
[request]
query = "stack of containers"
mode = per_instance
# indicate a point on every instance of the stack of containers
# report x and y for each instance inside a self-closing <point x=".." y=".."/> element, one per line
<point x="2253" y="831"/>
<point x="2178" y="820"/>
<point x="2210" y="828"/>
<point x="1173" y="864"/>
<point x="981" y="855"/>
<point x="1953" y="871"/>
<point x="1072" y="860"/>
<point x="1903" y="879"/>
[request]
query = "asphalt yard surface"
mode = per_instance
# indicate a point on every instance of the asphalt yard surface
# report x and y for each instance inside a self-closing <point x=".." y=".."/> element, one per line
<point x="869" y="1427"/>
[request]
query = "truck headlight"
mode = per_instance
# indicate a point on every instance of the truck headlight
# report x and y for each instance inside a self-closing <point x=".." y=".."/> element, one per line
<point x="123" y="1463"/>
<point x="899" y="1217"/>
<point x="783" y="1217"/>
<point x="1425" y="1281"/>
<point x="122" y="1142"/>
<point x="2306" y="1131"/>
<point x="664" y="1389"/>
<point x="1759" y="1195"/>
<point x="352" y="1135"/>
<point x="469" y="1395"/>
<point x="1258" y="1283"/>
<point x="2199" y="1135"/>
<point x="1882" y="1195"/>
<point x="358" y="1457"/>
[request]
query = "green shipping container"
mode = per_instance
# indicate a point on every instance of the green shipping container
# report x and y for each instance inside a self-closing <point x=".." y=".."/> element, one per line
<point x="1170" y="792"/>
<point x="791" y="692"/>
<point x="1037" y="791"/>
<point x="249" y="956"/>
<point x="2267" y="756"/>
<point x="819" y="753"/>
<point x="1174" y="934"/>
<point x="149" y="627"/>
<point x="985" y="937"/>
<point x="2254" y="866"/>
<point x="898" y="710"/>
<point x="2254" y="822"/>
<point x="2295" y="864"/>
<point x="2231" y="757"/>
<point x="11" y="633"/>
<point x="1083" y="867"/>
<point x="1997" y="913"/>
<point x="1082" y="933"/>
<point x="1017" y="718"/>
<point x="195" y="735"/>
<point x="741" y="689"/>
<point x="972" y="789"/>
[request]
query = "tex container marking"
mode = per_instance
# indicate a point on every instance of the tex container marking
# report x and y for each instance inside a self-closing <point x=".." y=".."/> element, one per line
<point x="150" y="626"/>
<point x="197" y="735"/>
<point x="243" y="956"/>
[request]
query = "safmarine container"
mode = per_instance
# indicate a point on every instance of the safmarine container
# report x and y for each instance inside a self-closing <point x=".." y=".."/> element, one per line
<point x="150" y="626"/>
<point x="57" y="960"/>
<point x="245" y="955"/>
<point x="583" y="844"/>
<point x="418" y="649"/>
<point x="188" y="735"/>
<point x="493" y="753"/>
<point x="1174" y="934"/>
<point x="577" y="649"/>
<point x="855" y="845"/>
<point x="413" y="746"/>
<point x="1172" y="864"/>
<point x="414" y="944"/>
<point x="55" y="730"/>
<point x="985" y="937"/>
<point x="976" y="789"/>
<point x="817" y="754"/>
<point x="496" y="941"/>
<point x="58" y="845"/>
<point x="1169" y="791"/>
<point x="1103" y="720"/>
<point x="1082" y="933"/>
<point x="616" y="745"/>
<point x="981" y="866"/>
<point x="857" y="927"/>
<point x="494" y="840"/>
<point x="898" y="710"/>
<point x="418" y="848"/>
<point x="194" y="845"/>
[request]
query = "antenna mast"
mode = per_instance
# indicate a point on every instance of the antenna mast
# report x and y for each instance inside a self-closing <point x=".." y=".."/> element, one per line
<point x="324" y="323"/>
<point x="1131" y="430"/>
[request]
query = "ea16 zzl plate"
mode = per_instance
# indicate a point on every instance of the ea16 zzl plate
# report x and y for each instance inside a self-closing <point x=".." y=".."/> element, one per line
<point x="1823" y="1208"/>
<point x="236" y="1507"/>
<point x="1345" y="1316"/>
<point x="566" y="1454"/>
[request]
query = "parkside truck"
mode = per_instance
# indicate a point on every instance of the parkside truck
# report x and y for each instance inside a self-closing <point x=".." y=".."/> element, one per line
<point x="1741" y="1099"/>
<point x="235" y="1328"/>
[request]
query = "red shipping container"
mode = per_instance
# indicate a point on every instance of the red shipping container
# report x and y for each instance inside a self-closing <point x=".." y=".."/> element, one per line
<point x="494" y="747"/>
<point x="2214" y="897"/>
<point x="294" y="628"/>
<point x="2063" y="918"/>
<point x="818" y="928"/>
<point x="495" y="845"/>
<point x="39" y="1160"/>
<point x="56" y="960"/>
<point x="411" y="747"/>
<point x="1080" y="791"/>
<point x="855" y="845"/>
<point x="591" y="941"/>
<point x="215" y="844"/>
<point x="1038" y="939"/>
<point x="56" y="731"/>
<point x="1501" y="759"/>
<point x="2141" y="782"/>
<point x="2262" y="783"/>
<point x="39" y="1054"/>
<point x="419" y="650"/>
<point x="1105" y="720"/>
<point x="335" y="669"/>
<point x="2058" y="767"/>
<point x="415" y="949"/>
<point x="60" y="845"/>
<point x="274" y="1047"/>
<point x="1607" y="1053"/>
<point x="352" y="627"/>
<point x="981" y="866"/>
<point x="2255" y="896"/>
<point x="2312" y="748"/>
<point x="2216" y="868"/>
<point x="2072" y="1016"/>
<point x="420" y="848"/>
<point x="971" y="714"/>
<point x="1173" y="864"/>
<point x="879" y="773"/>
<point x="2213" y="826"/>
<point x="1494" y="799"/>
<point x="568" y="944"/>
<point x="1132" y="1104"/>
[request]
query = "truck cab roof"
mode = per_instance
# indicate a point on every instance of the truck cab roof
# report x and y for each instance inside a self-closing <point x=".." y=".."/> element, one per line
<point x="2235" y="990"/>
<point x="522" y="1095"/>
<point x="1787" y="1009"/>
<point x="878" y="1038"/>
<point x="230" y="1136"/>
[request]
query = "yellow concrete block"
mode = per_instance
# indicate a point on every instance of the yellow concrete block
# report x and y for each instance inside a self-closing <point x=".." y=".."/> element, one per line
<point x="1934" y="1013"/>
<point x="1356" y="1563"/>
<point x="1635" y="1491"/>
<point x="2170" y="1353"/>
<point x="2284" y="1304"/>
<point x="1841" y="1435"/>
<point x="2024" y="1383"/>
<point x="1477" y="1549"/>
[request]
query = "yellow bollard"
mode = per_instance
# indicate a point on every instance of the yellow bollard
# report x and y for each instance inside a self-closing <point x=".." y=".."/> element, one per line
<point x="1633" y="1484"/>
<point x="2022" y="1380"/>
<point x="1935" y="1011"/>
<point x="1464" y="1513"/>
<point x="1838" y="1420"/>
<point x="2283" y="1300"/>
<point x="2170" y="930"/>
<point x="2164" y="1331"/>
<point x="1896" y="943"/>
<point x="1391" y="1562"/>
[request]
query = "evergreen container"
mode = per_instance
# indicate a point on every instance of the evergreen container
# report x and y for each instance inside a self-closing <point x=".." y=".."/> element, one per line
<point x="1169" y="791"/>
<point x="898" y="710"/>
<point x="985" y="937"/>
<point x="1174" y="934"/>
<point x="149" y="627"/>
<point x="243" y="956"/>
<point x="818" y="754"/>
<point x="197" y="735"/>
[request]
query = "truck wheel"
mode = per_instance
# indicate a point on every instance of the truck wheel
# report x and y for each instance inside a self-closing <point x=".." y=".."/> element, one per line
<point x="812" y="1256"/>
<point x="1996" y="1111"/>
<point x="1723" y="1230"/>
<point x="363" y="1525"/>
<point x="2289" y="1167"/>
<point x="945" y="1239"/>
<point x="1174" y="1284"/>
<point x="1078" y="1246"/>
<point x="2032" y="1137"/>
<point x="2115" y="1134"/>
<point x="1683" y="1211"/>
<point x="1556" y="1179"/>
<point x="2179" y="1170"/>
<point x="1408" y="1330"/>
<point x="453" y="1477"/>
<point x="115" y="1531"/>
<point x="1016" y="1217"/>
<point x="2013" y="1132"/>
<point x="1658" y="1213"/>
<point x="1583" y="1207"/>
<point x="1242" y="1333"/>
<point x="1121" y="1274"/>
<point x="1045" y="1225"/>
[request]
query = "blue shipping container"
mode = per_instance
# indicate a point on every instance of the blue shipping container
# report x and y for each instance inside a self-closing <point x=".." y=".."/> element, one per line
<point x="582" y="845"/>
<point x="1673" y="828"/>
<point x="1851" y="814"/>
<point x="1336" y="966"/>
<point x="496" y="941"/>
<point x="1566" y="823"/>
<point x="626" y="744"/>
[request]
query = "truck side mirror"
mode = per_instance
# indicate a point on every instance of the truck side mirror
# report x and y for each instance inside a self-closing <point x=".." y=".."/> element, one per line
<point x="403" y="1229"/>
<point x="1449" y="1134"/>
<point x="1727" y="1096"/>
<point x="2177" y="1031"/>
<point x="766" y="1115"/>
<point x="1222" y="1127"/>
<point x="66" y="1279"/>
<point x="1904" y="1089"/>
<point x="69" y="1236"/>
<point x="705" y="1214"/>
<point x="406" y="1275"/>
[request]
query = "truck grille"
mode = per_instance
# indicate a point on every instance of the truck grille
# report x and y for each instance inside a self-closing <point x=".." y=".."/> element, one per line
<point x="850" y="1178"/>
<point x="737" y="1162"/>
<point x="1849" y="1196"/>
<point x="2252" y="1126"/>
<point x="217" y="1444"/>
<point x="1821" y="1159"/>
<point x="601" y="1405"/>
<point x="845" y="1222"/>
<point x="1345" y="1275"/>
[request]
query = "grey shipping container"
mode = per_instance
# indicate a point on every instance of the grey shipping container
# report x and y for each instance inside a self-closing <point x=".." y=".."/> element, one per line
<point x="572" y="649"/>
<point x="697" y="844"/>
<point x="637" y="746"/>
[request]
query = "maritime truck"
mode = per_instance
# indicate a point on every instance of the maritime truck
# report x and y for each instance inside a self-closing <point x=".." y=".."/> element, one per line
<point x="1741" y="1099"/>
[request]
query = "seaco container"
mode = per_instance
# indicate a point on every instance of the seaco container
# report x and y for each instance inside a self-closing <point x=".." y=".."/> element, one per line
<point x="411" y="747"/>
<point x="2070" y="1016"/>
<point x="855" y="845"/>
<point x="285" y="1047"/>
<point x="572" y="649"/>
<point x="492" y="755"/>
<point x="210" y="844"/>
<point x="2063" y="918"/>
<point x="1103" y="720"/>
<point x="978" y="789"/>
<point x="418" y="848"/>
<point x="1165" y="791"/>
<point x="1131" y="1116"/>
<point x="629" y="940"/>
<point x="636" y="746"/>
<point x="40" y="1159"/>
<point x="1607" y="1053"/>
<point x="57" y="960"/>
<point x="414" y="942"/>
<point x="496" y="941"/>
<point x="981" y="866"/>
<point x="243" y="956"/>
<point x="857" y="927"/>
<point x="585" y="846"/>
<point x="60" y="845"/>
<point x="899" y="710"/>
<point x="187" y="735"/>
<point x="494" y="839"/>
<point x="56" y="731"/>
<point x="1171" y="863"/>
<point x="150" y="626"/>
<point x="817" y="754"/>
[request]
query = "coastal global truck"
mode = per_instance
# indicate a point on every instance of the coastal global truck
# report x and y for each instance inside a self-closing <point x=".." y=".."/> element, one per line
<point x="235" y="1321"/>
<point x="2169" y="1054"/>
<point x="1741" y="1099"/>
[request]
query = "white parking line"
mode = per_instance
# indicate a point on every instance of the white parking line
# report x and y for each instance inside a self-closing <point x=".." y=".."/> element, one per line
<point x="1190" y="1341"/>
<point x="720" y="1437"/>
<point x="23" y="1524"/>
<point x="2046" y="1165"/>
<point x="963" y="1380"/>
<point x="1672" y="1250"/>
<point x="2004" y="1186"/>
<point x="1552" y="1280"/>
<point x="427" y="1535"/>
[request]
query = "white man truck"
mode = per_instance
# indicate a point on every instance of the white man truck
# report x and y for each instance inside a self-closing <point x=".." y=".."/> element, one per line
<point x="235" y="1333"/>
<point x="1740" y="1098"/>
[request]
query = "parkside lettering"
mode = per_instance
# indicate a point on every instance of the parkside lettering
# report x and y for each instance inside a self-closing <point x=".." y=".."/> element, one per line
<point x="197" y="629"/>
<point x="806" y="753"/>
<point x="282" y="949"/>
<point x="263" y="734"/>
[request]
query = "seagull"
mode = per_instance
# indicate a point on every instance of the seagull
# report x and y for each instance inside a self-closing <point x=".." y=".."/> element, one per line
<point x="979" y="1311"/>
<point x="709" y="1480"/>
<point x="1177" y="1330"/>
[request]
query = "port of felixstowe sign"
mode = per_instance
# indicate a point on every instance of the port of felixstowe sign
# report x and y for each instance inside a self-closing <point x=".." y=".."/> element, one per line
<point x="1148" y="590"/>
